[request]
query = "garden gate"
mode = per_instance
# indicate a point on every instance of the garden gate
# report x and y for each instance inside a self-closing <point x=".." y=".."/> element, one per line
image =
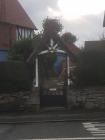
<point x="52" y="76"/>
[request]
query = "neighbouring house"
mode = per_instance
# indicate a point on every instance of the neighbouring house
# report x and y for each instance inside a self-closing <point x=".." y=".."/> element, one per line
<point x="15" y="24"/>
<point x="97" y="43"/>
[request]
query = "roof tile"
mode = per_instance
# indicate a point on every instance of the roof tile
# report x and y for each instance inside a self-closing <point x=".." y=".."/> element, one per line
<point x="12" y="12"/>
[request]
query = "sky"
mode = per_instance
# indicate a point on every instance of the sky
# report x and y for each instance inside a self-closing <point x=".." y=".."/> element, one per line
<point x="83" y="18"/>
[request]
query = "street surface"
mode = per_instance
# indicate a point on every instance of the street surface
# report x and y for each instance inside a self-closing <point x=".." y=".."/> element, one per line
<point x="53" y="131"/>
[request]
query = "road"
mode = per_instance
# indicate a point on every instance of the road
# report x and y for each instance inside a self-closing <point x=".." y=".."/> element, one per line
<point x="53" y="131"/>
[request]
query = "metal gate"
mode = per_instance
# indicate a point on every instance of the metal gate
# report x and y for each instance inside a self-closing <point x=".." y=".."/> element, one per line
<point x="52" y="75"/>
<point x="53" y="96"/>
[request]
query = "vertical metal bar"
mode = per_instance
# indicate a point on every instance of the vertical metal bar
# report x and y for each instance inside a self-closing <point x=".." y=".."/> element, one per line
<point x="37" y="74"/>
<point x="68" y="70"/>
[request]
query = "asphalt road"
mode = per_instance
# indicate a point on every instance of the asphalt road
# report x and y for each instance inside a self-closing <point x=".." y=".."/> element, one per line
<point x="53" y="131"/>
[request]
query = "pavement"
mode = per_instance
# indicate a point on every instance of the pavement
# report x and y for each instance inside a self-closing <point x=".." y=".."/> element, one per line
<point x="51" y="116"/>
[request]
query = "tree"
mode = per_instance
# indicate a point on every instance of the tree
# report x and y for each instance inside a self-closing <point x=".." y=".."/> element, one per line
<point x="90" y="68"/>
<point x="27" y="50"/>
<point x="51" y="29"/>
<point x="52" y="26"/>
<point x="68" y="38"/>
<point x="24" y="50"/>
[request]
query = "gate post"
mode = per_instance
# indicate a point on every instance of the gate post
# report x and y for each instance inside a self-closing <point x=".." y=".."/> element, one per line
<point x="68" y="82"/>
<point x="68" y="70"/>
<point x="35" y="98"/>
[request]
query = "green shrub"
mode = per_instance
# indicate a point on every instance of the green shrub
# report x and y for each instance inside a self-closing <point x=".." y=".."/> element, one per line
<point x="14" y="76"/>
<point x="21" y="50"/>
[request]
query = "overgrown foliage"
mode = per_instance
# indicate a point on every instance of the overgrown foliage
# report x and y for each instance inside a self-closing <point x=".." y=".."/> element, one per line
<point x="21" y="50"/>
<point x="14" y="76"/>
<point x="52" y="26"/>
<point x="68" y="37"/>
<point x="26" y="50"/>
<point x="90" y="68"/>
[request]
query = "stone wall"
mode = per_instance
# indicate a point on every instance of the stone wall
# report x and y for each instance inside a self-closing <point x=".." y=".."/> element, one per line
<point x="14" y="101"/>
<point x="87" y="98"/>
<point x="19" y="101"/>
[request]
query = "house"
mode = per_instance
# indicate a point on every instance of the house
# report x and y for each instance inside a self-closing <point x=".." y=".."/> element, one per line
<point x="15" y="24"/>
<point x="97" y="43"/>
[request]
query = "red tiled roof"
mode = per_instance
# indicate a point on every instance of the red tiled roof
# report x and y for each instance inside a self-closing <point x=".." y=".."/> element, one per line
<point x="13" y="13"/>
<point x="73" y="49"/>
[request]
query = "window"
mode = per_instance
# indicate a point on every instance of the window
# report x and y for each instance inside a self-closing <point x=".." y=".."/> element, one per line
<point x="23" y="33"/>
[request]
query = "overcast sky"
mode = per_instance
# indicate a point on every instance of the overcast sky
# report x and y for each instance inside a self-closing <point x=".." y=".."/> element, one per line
<point x="84" y="18"/>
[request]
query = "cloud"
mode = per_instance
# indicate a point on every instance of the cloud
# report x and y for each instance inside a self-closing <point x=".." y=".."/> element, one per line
<point x="38" y="9"/>
<point x="88" y="27"/>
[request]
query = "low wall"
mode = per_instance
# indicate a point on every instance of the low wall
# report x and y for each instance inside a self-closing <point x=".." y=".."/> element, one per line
<point x="19" y="101"/>
<point x="13" y="101"/>
<point x="87" y="98"/>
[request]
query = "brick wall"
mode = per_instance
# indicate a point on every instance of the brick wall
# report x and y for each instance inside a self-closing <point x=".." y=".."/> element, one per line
<point x="7" y="35"/>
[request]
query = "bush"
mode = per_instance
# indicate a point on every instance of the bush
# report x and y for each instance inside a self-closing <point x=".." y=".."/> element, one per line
<point x="21" y="50"/>
<point x="90" y="68"/>
<point x="14" y="76"/>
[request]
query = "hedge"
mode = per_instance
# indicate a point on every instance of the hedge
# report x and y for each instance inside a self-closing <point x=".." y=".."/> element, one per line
<point x="14" y="76"/>
<point x="90" y="70"/>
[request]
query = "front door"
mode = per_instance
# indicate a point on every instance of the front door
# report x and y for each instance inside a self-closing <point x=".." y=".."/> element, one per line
<point x="52" y="79"/>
